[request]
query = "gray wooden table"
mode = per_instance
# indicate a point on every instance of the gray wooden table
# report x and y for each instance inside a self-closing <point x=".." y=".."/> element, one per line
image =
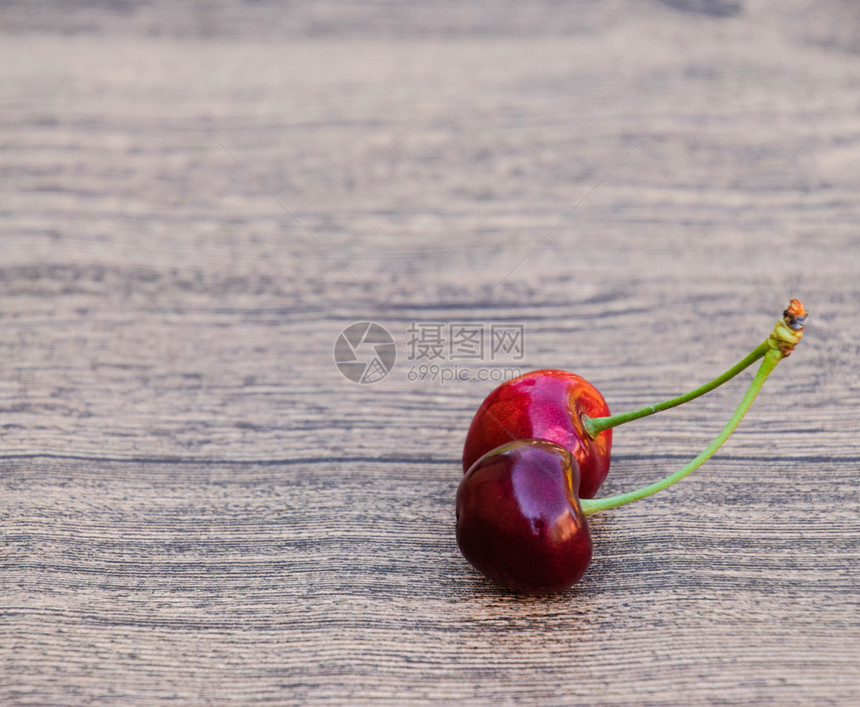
<point x="197" y="507"/>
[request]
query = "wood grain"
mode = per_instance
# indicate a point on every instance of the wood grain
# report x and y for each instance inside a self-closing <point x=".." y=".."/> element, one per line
<point x="197" y="508"/>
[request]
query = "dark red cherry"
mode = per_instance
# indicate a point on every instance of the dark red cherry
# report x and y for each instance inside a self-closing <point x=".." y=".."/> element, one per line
<point x="519" y="520"/>
<point x="546" y="404"/>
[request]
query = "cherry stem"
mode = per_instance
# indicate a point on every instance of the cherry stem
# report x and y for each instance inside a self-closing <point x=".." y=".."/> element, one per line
<point x="595" y="425"/>
<point x="793" y="321"/>
<point x="590" y="506"/>
<point x="780" y="344"/>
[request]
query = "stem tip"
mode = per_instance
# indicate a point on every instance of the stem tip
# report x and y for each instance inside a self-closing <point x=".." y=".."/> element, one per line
<point x="789" y="330"/>
<point x="795" y="316"/>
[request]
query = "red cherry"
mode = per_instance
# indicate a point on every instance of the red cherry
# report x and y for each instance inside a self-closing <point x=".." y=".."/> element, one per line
<point x="519" y="519"/>
<point x="546" y="404"/>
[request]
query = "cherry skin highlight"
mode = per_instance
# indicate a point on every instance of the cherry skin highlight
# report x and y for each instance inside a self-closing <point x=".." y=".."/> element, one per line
<point x="546" y="404"/>
<point x="519" y="521"/>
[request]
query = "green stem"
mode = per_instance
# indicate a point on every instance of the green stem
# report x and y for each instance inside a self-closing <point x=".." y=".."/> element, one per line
<point x="771" y="359"/>
<point x="595" y="425"/>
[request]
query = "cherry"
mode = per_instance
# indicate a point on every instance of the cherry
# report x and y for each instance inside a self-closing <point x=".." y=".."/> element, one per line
<point x="546" y="404"/>
<point x="520" y="518"/>
<point x="564" y="408"/>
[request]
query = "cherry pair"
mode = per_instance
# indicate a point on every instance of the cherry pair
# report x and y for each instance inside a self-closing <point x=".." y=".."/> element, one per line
<point x="537" y="452"/>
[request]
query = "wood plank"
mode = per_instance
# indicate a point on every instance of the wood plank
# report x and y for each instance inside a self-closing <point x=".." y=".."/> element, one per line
<point x="197" y="507"/>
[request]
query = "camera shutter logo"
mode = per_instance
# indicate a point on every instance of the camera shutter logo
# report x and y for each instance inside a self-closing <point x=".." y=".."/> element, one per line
<point x="365" y="352"/>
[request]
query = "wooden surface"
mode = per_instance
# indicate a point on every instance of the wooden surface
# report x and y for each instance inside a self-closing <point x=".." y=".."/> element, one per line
<point x="198" y="508"/>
